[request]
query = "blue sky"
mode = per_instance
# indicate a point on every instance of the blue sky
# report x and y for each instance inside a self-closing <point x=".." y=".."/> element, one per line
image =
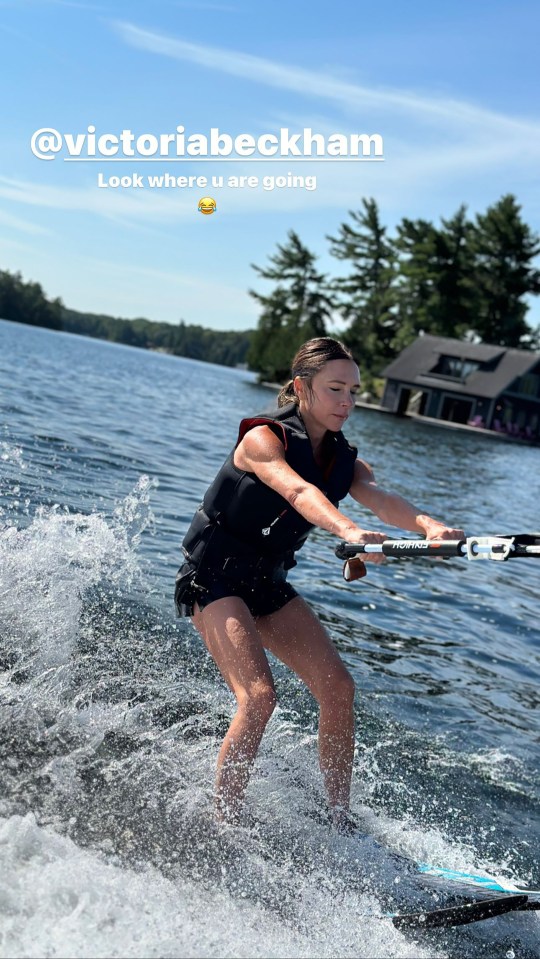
<point x="452" y="89"/>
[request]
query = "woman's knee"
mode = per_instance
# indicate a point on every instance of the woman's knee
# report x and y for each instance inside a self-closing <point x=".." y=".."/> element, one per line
<point x="338" y="690"/>
<point x="258" y="703"/>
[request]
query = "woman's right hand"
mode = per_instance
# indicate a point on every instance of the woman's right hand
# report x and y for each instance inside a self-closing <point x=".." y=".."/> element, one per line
<point x="364" y="536"/>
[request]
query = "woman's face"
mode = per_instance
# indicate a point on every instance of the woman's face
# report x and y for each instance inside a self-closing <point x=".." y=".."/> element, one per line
<point x="332" y="395"/>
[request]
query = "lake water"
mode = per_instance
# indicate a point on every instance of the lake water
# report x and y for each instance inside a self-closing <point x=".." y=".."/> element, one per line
<point x="111" y="713"/>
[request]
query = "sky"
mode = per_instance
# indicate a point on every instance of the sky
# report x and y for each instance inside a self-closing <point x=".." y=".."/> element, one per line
<point x="451" y="89"/>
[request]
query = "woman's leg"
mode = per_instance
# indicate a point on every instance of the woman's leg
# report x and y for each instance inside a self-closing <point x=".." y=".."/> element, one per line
<point x="296" y="636"/>
<point x="233" y="641"/>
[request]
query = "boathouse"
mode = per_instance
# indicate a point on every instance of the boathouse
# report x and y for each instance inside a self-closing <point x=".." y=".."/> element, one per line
<point x="492" y="387"/>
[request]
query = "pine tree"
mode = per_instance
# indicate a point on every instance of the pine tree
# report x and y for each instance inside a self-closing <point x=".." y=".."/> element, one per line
<point x="454" y="308"/>
<point x="437" y="271"/>
<point x="416" y="246"/>
<point x="367" y="296"/>
<point x="505" y="248"/>
<point x="296" y="310"/>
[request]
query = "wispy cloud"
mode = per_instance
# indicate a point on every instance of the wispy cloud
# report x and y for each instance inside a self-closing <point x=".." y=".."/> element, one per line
<point x="317" y="84"/>
<point x="16" y="223"/>
<point x="196" y="5"/>
<point x="139" y="290"/>
<point x="114" y="204"/>
<point x="55" y="3"/>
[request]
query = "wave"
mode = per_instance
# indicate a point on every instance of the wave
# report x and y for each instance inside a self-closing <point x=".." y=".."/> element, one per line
<point x="110" y="722"/>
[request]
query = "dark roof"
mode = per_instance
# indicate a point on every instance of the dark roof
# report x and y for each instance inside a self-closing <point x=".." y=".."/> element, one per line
<point x="502" y="365"/>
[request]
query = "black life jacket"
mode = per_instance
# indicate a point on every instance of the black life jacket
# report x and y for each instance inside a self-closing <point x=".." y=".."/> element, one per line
<point x="250" y="513"/>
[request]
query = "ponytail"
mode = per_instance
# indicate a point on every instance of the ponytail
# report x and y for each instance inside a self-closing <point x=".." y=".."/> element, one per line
<point x="287" y="394"/>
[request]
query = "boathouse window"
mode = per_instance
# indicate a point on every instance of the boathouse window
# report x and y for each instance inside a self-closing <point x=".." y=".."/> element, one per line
<point x="455" y="366"/>
<point x="529" y="384"/>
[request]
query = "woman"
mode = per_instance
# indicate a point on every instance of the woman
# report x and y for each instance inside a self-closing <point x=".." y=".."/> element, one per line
<point x="286" y="475"/>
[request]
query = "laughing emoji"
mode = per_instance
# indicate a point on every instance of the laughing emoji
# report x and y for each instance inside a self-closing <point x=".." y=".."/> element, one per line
<point x="207" y="205"/>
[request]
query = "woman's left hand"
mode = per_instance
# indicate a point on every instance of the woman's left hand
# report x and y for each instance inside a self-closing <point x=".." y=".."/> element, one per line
<point x="436" y="530"/>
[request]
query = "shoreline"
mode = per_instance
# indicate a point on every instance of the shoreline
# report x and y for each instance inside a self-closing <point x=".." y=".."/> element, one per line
<point x="430" y="421"/>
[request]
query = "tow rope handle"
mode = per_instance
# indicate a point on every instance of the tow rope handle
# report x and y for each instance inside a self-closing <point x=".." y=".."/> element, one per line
<point x="499" y="548"/>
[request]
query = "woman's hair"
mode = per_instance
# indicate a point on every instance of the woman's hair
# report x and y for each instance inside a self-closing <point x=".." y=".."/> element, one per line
<point x="309" y="360"/>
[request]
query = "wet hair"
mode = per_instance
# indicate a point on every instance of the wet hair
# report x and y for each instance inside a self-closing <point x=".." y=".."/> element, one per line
<point x="309" y="360"/>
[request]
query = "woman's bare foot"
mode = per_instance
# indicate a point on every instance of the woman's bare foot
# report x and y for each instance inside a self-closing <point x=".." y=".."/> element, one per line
<point x="343" y="821"/>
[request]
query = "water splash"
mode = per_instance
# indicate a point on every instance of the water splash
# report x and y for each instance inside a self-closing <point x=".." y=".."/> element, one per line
<point x="12" y="455"/>
<point x="64" y="900"/>
<point x="47" y="569"/>
<point x="133" y="515"/>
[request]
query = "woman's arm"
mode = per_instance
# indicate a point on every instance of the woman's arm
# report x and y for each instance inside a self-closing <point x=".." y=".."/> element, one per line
<point x="393" y="509"/>
<point x="262" y="453"/>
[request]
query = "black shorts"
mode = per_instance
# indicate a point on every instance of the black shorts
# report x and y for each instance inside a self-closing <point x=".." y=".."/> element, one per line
<point x="218" y="565"/>
<point x="264" y="590"/>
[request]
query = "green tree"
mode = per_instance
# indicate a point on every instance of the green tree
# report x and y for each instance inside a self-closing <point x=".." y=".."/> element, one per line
<point x="296" y="310"/>
<point x="271" y="352"/>
<point x="416" y="246"/>
<point x="27" y="303"/>
<point x="437" y="289"/>
<point x="505" y="248"/>
<point x="454" y="304"/>
<point x="366" y="297"/>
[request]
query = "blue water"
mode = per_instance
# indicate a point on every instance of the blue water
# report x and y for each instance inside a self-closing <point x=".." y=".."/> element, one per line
<point x="111" y="713"/>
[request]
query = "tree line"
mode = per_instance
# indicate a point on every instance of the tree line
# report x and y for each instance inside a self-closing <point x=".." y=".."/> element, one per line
<point x="465" y="279"/>
<point x="26" y="302"/>
<point x="228" y="348"/>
